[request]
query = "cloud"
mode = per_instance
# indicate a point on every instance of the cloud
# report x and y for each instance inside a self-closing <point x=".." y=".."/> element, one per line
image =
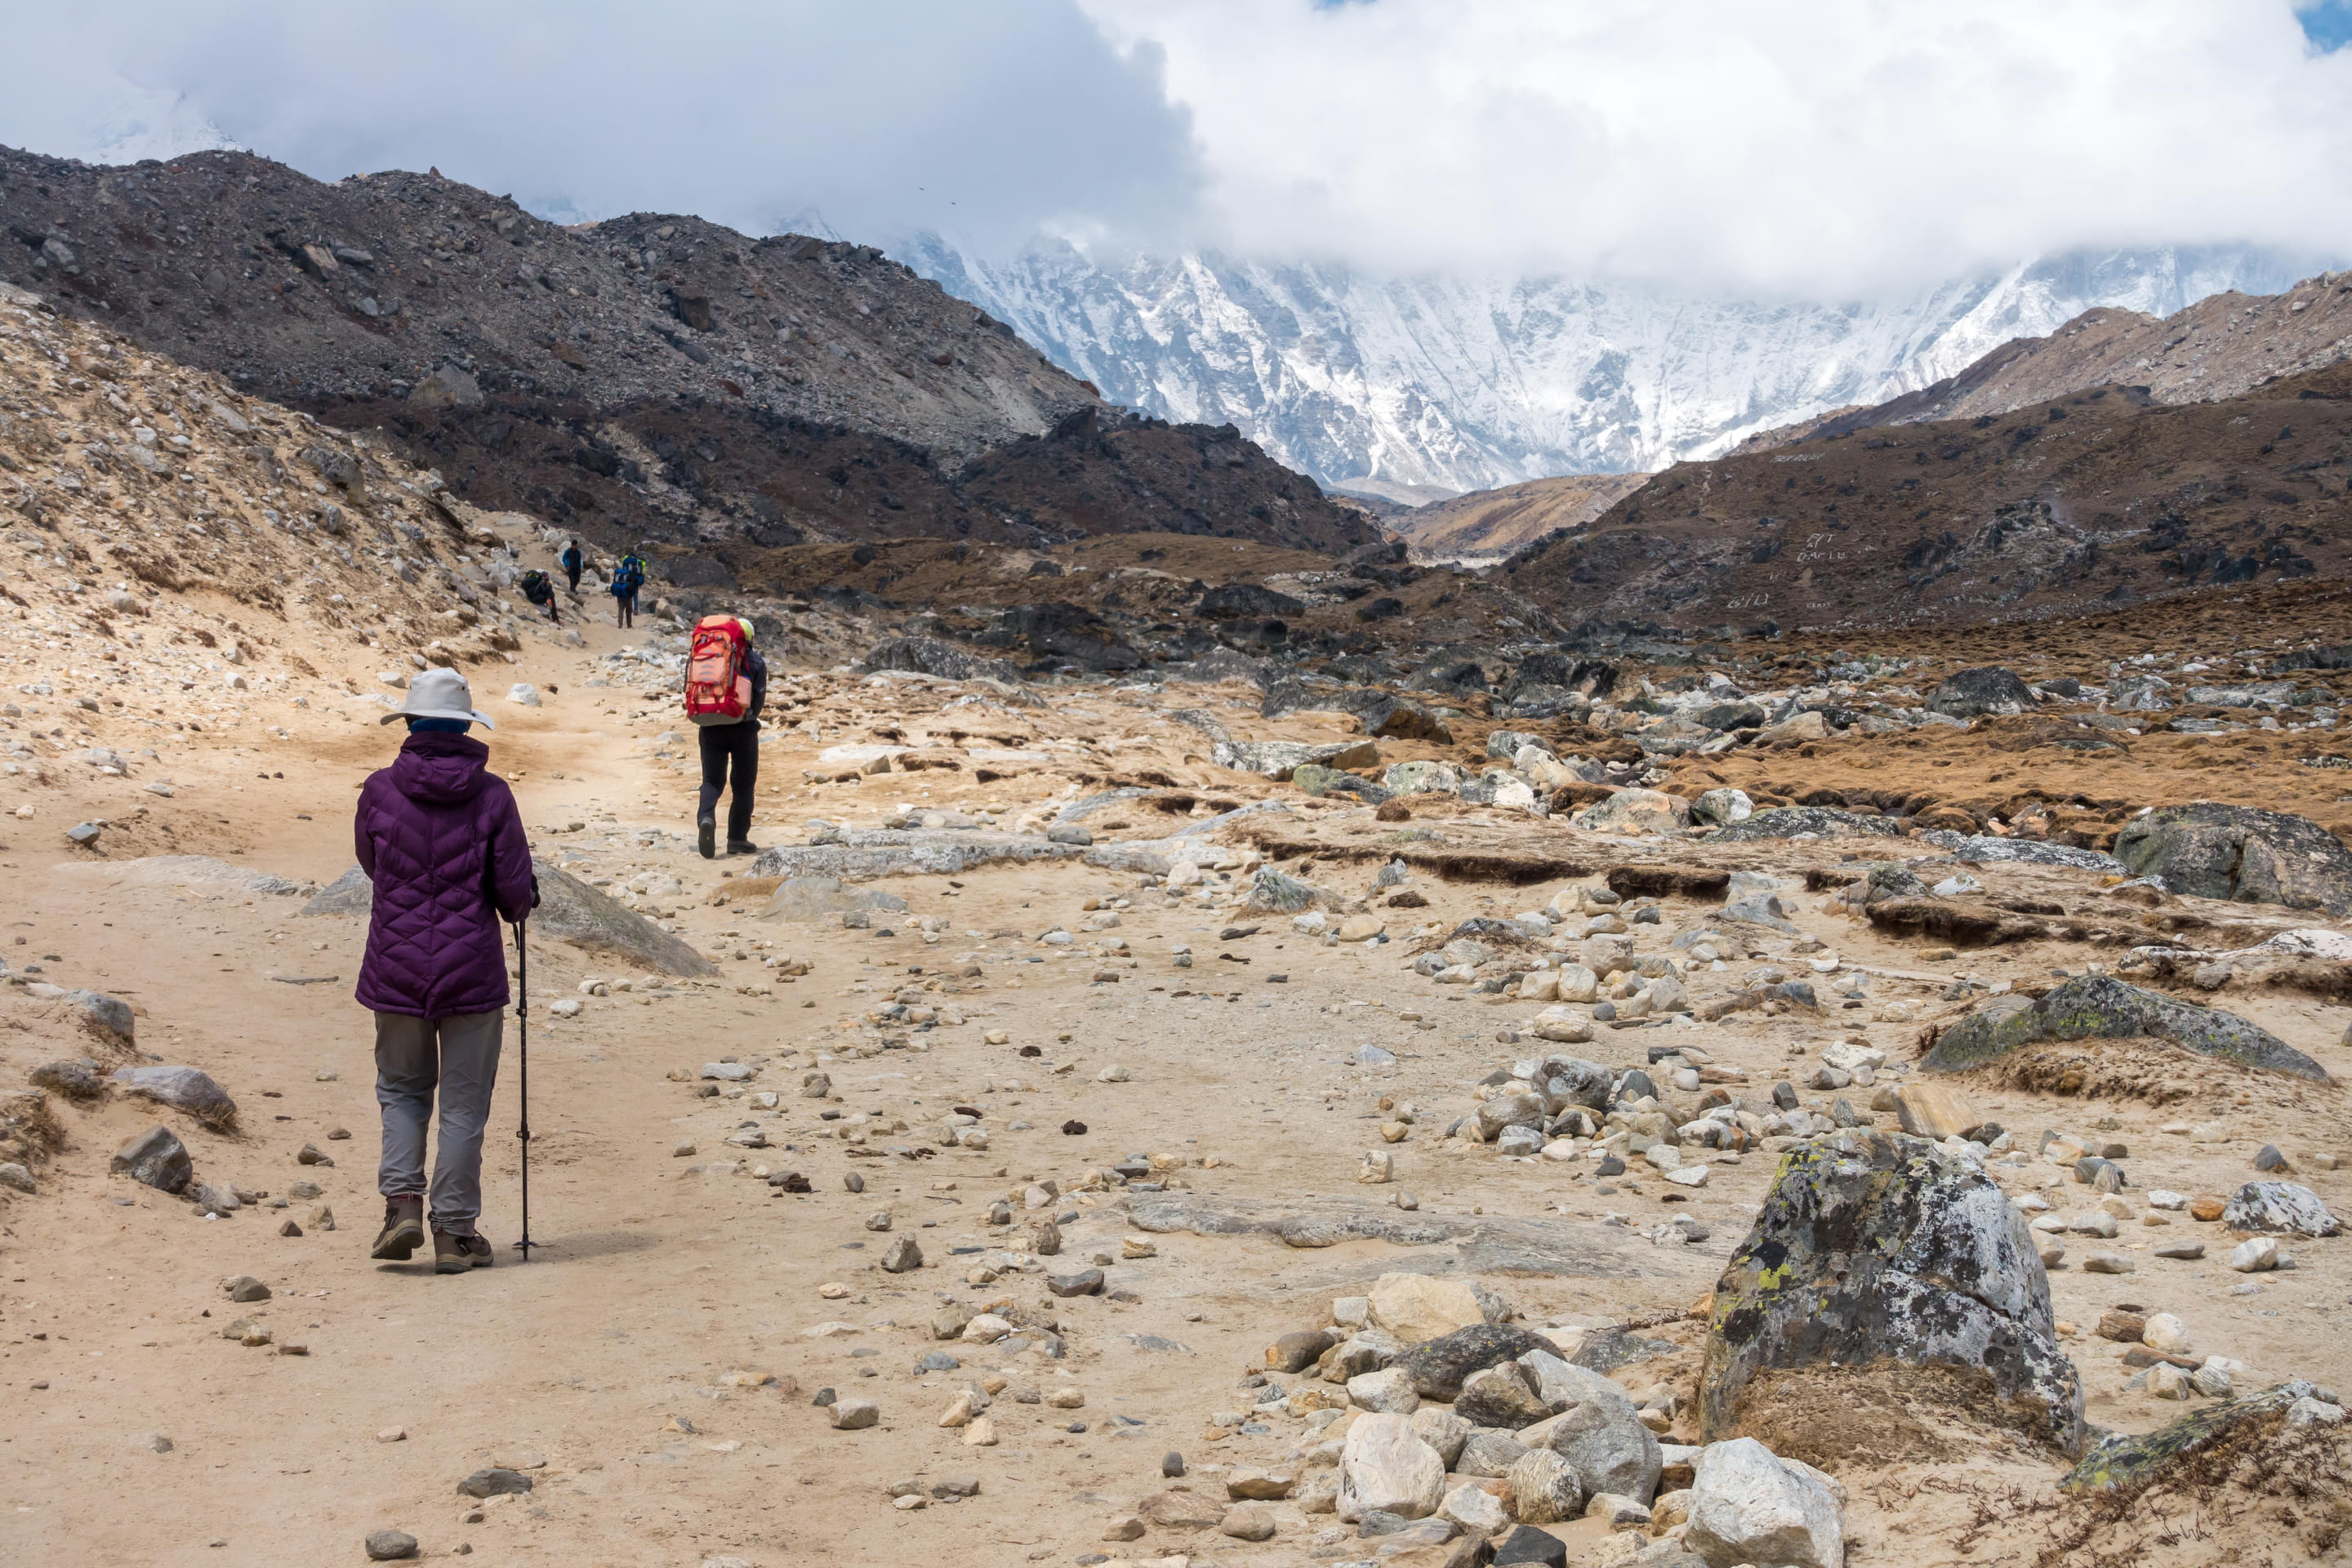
<point x="1813" y="146"/>
<point x="994" y="120"/>
<point x="1817" y="148"/>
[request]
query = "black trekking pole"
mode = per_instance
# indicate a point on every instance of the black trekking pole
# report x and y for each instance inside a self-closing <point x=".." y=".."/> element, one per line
<point x="523" y="1018"/>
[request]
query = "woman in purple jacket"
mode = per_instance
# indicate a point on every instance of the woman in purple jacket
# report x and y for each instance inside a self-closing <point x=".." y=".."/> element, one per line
<point x="439" y="835"/>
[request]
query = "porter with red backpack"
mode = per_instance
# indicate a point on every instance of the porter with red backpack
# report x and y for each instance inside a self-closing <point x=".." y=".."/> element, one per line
<point x="726" y="686"/>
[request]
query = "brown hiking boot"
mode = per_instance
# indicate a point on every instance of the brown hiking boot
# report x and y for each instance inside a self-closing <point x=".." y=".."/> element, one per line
<point x="403" y="1229"/>
<point x="456" y="1254"/>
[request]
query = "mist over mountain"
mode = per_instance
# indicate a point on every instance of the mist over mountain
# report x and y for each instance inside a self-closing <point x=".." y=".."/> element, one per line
<point x="1419" y="386"/>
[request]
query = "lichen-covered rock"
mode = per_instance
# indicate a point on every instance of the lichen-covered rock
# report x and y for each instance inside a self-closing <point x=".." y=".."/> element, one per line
<point x="2209" y="851"/>
<point x="1278" y="760"/>
<point x="1426" y="776"/>
<point x="2098" y="1006"/>
<point x="1272" y="892"/>
<point x="1885" y="1248"/>
<point x="1988" y="689"/>
<point x="2120" y="1461"/>
<point x="1440" y="1366"/>
<point x="1315" y="779"/>
<point x="1820" y="821"/>
<point x="1635" y="811"/>
<point x="2279" y="1208"/>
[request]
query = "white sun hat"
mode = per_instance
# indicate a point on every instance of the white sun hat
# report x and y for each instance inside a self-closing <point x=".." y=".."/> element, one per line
<point x="440" y="693"/>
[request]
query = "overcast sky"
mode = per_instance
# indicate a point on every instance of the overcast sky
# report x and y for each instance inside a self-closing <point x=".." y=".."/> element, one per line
<point x="1818" y="147"/>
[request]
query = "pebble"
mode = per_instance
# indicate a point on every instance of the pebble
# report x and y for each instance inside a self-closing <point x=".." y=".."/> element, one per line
<point x="1171" y="1464"/>
<point x="2106" y="1263"/>
<point x="855" y="1414"/>
<point x="390" y="1545"/>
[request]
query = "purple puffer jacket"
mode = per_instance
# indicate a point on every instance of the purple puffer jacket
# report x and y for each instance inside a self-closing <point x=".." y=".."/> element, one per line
<point x="439" y="835"/>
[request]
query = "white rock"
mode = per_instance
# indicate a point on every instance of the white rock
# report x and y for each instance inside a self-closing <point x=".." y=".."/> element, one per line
<point x="1688" y="1176"/>
<point x="2166" y="1333"/>
<point x="2162" y="1199"/>
<point x="1417" y="1306"/>
<point x="986" y="1329"/>
<point x="1386" y="1466"/>
<point x="2307" y="1411"/>
<point x="1474" y="1508"/>
<point x="2166" y="1381"/>
<point x="1388" y="1392"/>
<point x="523" y="693"/>
<point x="1750" y="1506"/>
<point x="2256" y="1256"/>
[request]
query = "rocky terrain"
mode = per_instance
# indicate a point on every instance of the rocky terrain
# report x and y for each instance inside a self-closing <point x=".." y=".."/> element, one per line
<point x="1492" y="524"/>
<point x="2096" y="500"/>
<point x="2218" y="348"/>
<point x="651" y="378"/>
<point x="1420" y="1106"/>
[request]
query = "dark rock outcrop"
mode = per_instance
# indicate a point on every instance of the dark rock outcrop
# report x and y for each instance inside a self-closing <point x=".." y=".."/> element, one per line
<point x="2209" y="851"/>
<point x="929" y="656"/>
<point x="1986" y="690"/>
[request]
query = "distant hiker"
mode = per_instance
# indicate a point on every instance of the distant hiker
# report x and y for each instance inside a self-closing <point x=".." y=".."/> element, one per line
<point x="571" y="561"/>
<point x="439" y="835"/>
<point x="635" y="565"/>
<point x="624" y="597"/>
<point x="541" y="591"/>
<point x="726" y="686"/>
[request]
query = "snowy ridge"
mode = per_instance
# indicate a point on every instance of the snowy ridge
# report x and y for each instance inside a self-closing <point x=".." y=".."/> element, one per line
<point x="1417" y="387"/>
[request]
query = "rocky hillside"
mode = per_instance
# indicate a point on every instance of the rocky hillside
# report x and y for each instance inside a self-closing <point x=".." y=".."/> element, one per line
<point x="2219" y="347"/>
<point x="2101" y="498"/>
<point x="1494" y="522"/>
<point x="652" y="376"/>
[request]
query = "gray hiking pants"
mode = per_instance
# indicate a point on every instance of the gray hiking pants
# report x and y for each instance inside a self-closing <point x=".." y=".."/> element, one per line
<point x="413" y="1057"/>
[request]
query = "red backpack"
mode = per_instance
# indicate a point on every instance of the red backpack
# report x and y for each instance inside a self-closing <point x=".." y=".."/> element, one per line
<point x="717" y="672"/>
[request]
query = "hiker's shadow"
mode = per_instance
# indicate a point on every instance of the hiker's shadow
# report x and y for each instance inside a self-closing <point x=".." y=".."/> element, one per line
<point x="587" y="1244"/>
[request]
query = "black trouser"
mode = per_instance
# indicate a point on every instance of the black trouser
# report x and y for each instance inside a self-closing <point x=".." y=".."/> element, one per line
<point x="573" y="572"/>
<point x="737" y="742"/>
<point x="547" y="604"/>
<point x="623" y="609"/>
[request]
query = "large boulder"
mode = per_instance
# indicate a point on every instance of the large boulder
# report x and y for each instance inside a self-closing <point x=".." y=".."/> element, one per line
<point x="1986" y="690"/>
<point x="1419" y="1307"/>
<point x="1385" y="1466"/>
<point x="1882" y="1248"/>
<point x="1748" y="1505"/>
<point x="1402" y="719"/>
<point x="1599" y="1433"/>
<point x="2209" y="851"/>
<point x="1278" y="760"/>
<point x="2279" y="1208"/>
<point x="182" y="1088"/>
<point x="2098" y="1006"/>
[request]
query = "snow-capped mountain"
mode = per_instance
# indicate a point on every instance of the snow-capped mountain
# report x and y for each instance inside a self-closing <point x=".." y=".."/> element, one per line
<point x="1416" y="387"/>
